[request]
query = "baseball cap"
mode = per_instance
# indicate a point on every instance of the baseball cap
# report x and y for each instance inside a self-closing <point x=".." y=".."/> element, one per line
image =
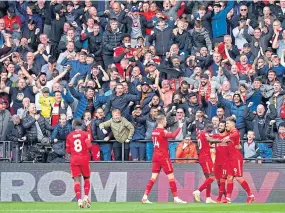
<point x="42" y="73"/>
<point x="137" y="107"/>
<point x="216" y="5"/>
<point x="45" y="90"/>
<point x="145" y="83"/>
<point x="135" y="9"/>
<point x="269" y="49"/>
<point x="70" y="3"/>
<point x="151" y="63"/>
<point x="11" y="11"/>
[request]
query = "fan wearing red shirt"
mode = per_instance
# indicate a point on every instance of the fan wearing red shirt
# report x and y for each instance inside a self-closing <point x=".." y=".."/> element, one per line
<point x="161" y="158"/>
<point x="78" y="144"/>
<point x="206" y="163"/>
<point x="235" y="161"/>
<point x="221" y="162"/>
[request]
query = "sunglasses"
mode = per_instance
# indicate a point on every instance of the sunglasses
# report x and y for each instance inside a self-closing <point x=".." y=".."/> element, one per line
<point x="243" y="9"/>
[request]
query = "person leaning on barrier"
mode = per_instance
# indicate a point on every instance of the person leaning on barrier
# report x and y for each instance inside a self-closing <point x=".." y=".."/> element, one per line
<point x="278" y="140"/>
<point x="5" y="117"/>
<point x="97" y="134"/>
<point x="15" y="134"/>
<point x="57" y="140"/>
<point x="186" y="149"/>
<point x="123" y="132"/>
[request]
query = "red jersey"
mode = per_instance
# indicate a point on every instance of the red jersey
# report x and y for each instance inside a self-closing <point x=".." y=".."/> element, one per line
<point x="78" y="143"/>
<point x="117" y="52"/>
<point x="204" y="147"/>
<point x="243" y="69"/>
<point x="160" y="142"/>
<point x="233" y="152"/>
<point x="221" y="150"/>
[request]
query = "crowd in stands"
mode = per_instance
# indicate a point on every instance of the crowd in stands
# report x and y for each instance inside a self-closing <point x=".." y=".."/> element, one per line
<point x="119" y="64"/>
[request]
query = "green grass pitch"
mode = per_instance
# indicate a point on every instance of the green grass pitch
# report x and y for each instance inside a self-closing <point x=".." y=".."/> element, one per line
<point x="141" y="208"/>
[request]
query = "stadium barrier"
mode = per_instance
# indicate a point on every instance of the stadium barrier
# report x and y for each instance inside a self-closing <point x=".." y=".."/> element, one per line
<point x="6" y="152"/>
<point x="126" y="182"/>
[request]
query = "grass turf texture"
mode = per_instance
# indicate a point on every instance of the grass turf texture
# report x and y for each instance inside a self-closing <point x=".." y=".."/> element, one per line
<point x="142" y="208"/>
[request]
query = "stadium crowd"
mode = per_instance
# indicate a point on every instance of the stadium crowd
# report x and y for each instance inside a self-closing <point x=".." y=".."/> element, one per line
<point x="119" y="64"/>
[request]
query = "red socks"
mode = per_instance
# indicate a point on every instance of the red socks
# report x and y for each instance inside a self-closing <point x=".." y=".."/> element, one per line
<point x="230" y="187"/>
<point x="208" y="191"/>
<point x="173" y="187"/>
<point x="77" y="190"/>
<point x="222" y="188"/>
<point x="86" y="186"/>
<point x="245" y="186"/>
<point x="149" y="186"/>
<point x="207" y="182"/>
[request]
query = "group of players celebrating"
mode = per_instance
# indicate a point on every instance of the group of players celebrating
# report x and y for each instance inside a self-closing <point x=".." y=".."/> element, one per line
<point x="228" y="164"/>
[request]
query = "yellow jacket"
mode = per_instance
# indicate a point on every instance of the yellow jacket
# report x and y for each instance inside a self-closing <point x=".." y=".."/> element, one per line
<point x="46" y="103"/>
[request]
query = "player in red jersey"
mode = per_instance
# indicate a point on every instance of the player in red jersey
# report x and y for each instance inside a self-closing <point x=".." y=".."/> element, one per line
<point x="161" y="158"/>
<point x="235" y="161"/>
<point x="221" y="162"/>
<point x="78" y="145"/>
<point x="206" y="163"/>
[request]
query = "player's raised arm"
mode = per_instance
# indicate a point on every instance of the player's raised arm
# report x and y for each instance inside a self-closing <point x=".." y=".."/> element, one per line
<point x="175" y="133"/>
<point x="213" y="140"/>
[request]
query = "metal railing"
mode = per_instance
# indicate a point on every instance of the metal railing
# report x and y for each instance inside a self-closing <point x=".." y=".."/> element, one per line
<point x="5" y="152"/>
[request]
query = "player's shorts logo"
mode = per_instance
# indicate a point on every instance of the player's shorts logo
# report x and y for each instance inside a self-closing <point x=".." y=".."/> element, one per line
<point x="235" y="170"/>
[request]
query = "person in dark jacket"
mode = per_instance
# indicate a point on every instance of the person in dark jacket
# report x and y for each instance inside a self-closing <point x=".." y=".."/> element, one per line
<point x="182" y="37"/>
<point x="57" y="140"/>
<point x="200" y="37"/>
<point x="259" y="123"/>
<point x="112" y="37"/>
<point x="163" y="37"/>
<point x="139" y="122"/>
<point x="120" y="100"/>
<point x="97" y="134"/>
<point x="95" y="42"/>
<point x="37" y="129"/>
<point x="278" y="140"/>
<point x="15" y="134"/>
<point x="236" y="108"/>
<point x="36" y="126"/>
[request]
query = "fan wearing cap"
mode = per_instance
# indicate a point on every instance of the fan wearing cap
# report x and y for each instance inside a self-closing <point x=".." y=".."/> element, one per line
<point x="219" y="21"/>
<point x="11" y="18"/>
<point x="236" y="107"/>
<point x="136" y="25"/>
<point x="46" y="101"/>
<point x="139" y="121"/>
<point x="238" y="32"/>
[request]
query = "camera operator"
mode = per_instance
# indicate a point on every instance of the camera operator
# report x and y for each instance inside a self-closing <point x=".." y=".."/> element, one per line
<point x="15" y="134"/>
<point x="57" y="140"/>
<point x="37" y="129"/>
